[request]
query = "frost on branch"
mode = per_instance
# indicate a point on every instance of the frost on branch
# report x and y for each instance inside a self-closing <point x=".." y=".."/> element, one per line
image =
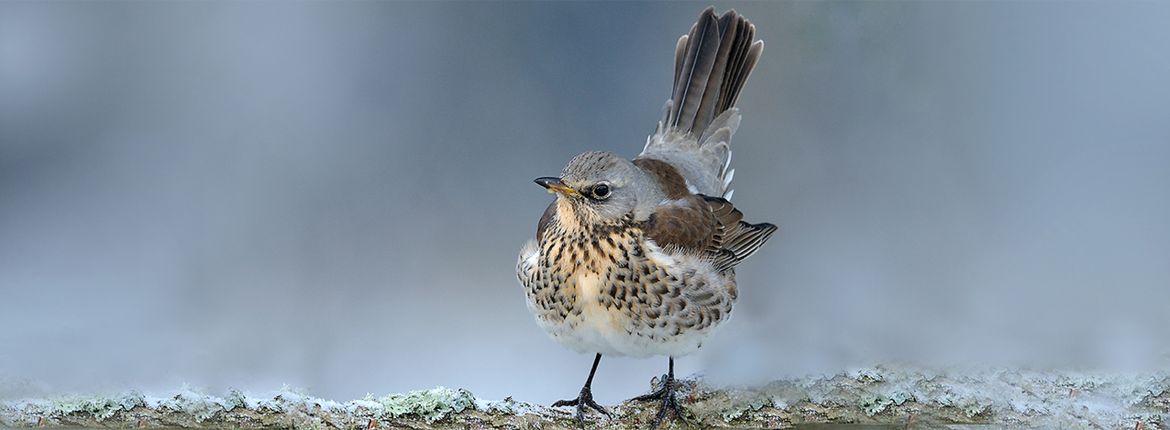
<point x="881" y="395"/>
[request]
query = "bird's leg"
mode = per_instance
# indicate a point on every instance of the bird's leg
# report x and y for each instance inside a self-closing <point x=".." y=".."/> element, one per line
<point x="665" y="395"/>
<point x="586" y="397"/>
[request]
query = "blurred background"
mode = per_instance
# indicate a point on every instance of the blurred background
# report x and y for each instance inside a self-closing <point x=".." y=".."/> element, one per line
<point x="332" y="195"/>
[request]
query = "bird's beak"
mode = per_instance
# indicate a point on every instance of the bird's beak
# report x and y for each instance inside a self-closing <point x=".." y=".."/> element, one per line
<point x="555" y="185"/>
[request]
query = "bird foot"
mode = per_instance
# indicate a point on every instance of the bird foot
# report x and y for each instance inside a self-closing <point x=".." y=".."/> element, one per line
<point x="583" y="400"/>
<point x="665" y="395"/>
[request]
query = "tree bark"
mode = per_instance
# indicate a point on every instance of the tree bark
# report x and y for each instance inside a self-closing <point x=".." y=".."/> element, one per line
<point x="897" y="398"/>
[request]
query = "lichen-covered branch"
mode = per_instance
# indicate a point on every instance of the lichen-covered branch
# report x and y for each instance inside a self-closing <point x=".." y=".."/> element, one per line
<point x="906" y="398"/>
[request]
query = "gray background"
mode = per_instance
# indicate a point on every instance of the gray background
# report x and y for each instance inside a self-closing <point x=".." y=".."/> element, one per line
<point x="332" y="195"/>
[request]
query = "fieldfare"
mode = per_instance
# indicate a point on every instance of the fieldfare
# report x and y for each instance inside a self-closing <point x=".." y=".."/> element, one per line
<point x="637" y="258"/>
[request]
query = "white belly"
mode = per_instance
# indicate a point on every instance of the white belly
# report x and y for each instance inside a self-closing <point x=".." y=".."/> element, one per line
<point x="593" y="324"/>
<point x="596" y="329"/>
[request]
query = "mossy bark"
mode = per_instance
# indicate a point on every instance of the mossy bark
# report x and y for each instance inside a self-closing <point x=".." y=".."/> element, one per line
<point x="902" y="399"/>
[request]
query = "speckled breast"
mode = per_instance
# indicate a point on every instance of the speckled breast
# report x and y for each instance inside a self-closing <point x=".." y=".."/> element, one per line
<point x="613" y="292"/>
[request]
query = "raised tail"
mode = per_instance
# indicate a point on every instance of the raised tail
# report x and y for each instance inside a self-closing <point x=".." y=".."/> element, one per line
<point x="712" y="63"/>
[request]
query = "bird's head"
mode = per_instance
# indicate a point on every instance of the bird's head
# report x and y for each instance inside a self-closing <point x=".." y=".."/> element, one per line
<point x="594" y="188"/>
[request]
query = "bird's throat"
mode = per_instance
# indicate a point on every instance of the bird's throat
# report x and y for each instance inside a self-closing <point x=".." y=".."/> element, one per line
<point x="569" y="217"/>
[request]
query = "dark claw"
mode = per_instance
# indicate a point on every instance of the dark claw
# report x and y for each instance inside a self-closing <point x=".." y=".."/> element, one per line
<point x="665" y="395"/>
<point x="585" y="399"/>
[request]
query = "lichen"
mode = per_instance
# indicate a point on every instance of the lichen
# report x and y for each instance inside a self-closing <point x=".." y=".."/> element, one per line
<point x="101" y="408"/>
<point x="432" y="405"/>
<point x="742" y="405"/>
<point x="235" y="399"/>
<point x="189" y="402"/>
<point x="508" y="406"/>
<point x="874" y="404"/>
<point x="879" y="395"/>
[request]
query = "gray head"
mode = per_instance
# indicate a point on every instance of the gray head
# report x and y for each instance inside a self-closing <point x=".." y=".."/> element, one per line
<point x="595" y="187"/>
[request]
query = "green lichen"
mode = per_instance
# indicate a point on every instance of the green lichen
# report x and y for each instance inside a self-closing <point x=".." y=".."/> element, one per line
<point x="867" y="375"/>
<point x="101" y="408"/>
<point x="508" y="406"/>
<point x="975" y="408"/>
<point x="1020" y="399"/>
<point x="432" y="405"/>
<point x="197" y="405"/>
<point x="874" y="404"/>
<point x="235" y="399"/>
<point x="1156" y="387"/>
<point x="743" y="406"/>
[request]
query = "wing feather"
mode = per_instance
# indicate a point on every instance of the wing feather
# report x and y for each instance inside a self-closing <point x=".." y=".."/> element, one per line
<point x="707" y="226"/>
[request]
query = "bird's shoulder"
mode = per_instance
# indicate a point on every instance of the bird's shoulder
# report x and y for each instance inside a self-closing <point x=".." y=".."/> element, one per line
<point x="665" y="175"/>
<point x="545" y="220"/>
<point x="693" y="223"/>
<point x="706" y="226"/>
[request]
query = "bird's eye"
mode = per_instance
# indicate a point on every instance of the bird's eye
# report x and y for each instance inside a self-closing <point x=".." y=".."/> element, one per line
<point x="601" y="191"/>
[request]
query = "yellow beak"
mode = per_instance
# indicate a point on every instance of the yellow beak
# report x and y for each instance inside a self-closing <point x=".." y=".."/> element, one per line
<point x="555" y="185"/>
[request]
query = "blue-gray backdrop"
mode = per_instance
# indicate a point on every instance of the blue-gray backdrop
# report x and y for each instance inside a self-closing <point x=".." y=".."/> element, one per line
<point x="331" y="195"/>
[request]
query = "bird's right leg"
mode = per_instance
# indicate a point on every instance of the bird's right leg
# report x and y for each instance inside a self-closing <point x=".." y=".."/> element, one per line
<point x="666" y="397"/>
<point x="586" y="397"/>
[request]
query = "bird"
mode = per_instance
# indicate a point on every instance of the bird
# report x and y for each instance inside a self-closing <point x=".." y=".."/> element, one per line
<point x="637" y="257"/>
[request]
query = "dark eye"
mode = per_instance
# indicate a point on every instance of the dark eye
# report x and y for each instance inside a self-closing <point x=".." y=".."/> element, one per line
<point x="601" y="191"/>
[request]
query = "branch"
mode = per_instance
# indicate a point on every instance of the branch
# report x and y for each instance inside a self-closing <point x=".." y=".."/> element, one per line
<point x="909" y="398"/>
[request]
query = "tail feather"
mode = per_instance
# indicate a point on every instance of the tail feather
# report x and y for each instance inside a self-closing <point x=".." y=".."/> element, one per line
<point x="709" y="105"/>
<point x="712" y="64"/>
<point x="680" y="54"/>
<point x="744" y="60"/>
<point x="697" y="69"/>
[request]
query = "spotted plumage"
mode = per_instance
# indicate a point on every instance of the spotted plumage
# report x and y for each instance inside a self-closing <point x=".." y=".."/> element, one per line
<point x="608" y="288"/>
<point x="637" y="257"/>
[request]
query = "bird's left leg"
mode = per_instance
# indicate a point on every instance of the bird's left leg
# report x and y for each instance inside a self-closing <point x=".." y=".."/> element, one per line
<point x="665" y="395"/>
<point x="585" y="398"/>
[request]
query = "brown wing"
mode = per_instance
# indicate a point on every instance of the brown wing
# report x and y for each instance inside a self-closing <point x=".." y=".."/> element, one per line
<point x="671" y="183"/>
<point x="709" y="226"/>
<point x="686" y="224"/>
<point x="738" y="239"/>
